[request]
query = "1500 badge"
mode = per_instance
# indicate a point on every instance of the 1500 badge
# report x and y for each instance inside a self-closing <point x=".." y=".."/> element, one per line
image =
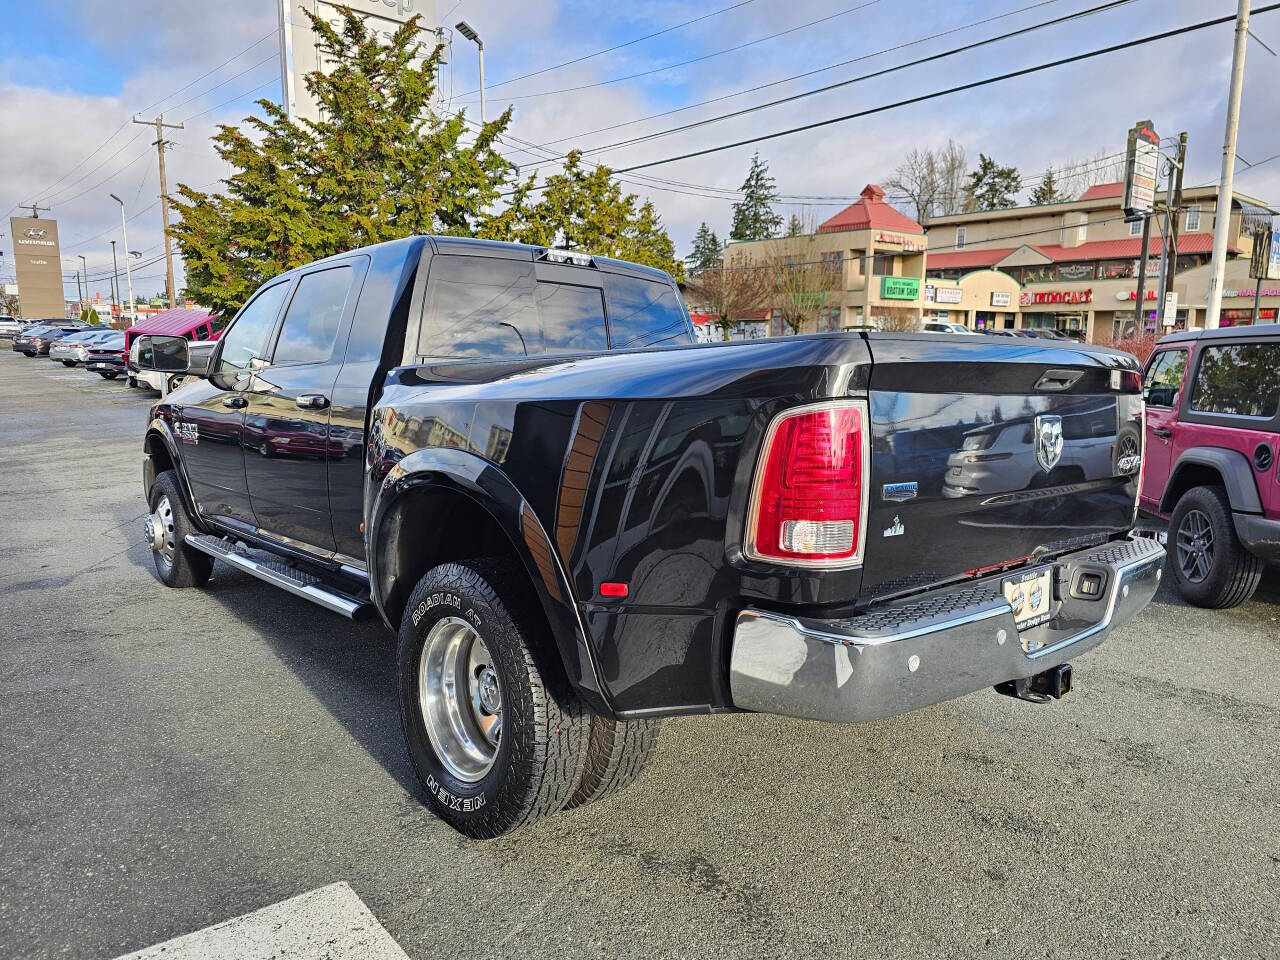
<point x="189" y="432"/>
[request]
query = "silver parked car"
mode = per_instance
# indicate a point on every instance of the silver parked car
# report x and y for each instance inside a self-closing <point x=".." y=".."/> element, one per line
<point x="75" y="348"/>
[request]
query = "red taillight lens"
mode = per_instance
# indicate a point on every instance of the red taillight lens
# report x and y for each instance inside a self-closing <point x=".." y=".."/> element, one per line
<point x="809" y="501"/>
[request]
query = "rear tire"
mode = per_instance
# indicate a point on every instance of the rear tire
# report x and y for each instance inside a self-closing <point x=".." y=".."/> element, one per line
<point x="617" y="753"/>
<point x="1210" y="566"/>
<point x="177" y="564"/>
<point x="495" y="733"/>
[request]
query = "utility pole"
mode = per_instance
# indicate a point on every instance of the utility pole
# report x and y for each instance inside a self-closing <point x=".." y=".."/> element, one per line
<point x="1167" y="246"/>
<point x="1140" y="311"/>
<point x="1222" y="211"/>
<point x="115" y="279"/>
<point x="35" y="210"/>
<point x="79" y="291"/>
<point x="160" y="144"/>
<point x="128" y="273"/>
<point x="84" y="267"/>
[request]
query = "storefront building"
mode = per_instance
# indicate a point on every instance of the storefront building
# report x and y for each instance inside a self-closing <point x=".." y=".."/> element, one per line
<point x="870" y="268"/>
<point x="1075" y="265"/>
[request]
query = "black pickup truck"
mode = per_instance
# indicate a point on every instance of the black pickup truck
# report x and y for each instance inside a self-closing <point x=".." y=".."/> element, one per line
<point x="579" y="521"/>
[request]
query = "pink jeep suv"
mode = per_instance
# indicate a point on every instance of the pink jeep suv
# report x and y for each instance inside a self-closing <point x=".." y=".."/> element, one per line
<point x="1212" y="438"/>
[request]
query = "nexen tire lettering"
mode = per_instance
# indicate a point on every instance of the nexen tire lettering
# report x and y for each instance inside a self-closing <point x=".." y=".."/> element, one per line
<point x="452" y="800"/>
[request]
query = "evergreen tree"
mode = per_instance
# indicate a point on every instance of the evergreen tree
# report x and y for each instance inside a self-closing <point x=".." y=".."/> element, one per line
<point x="587" y="210"/>
<point x="991" y="186"/>
<point x="795" y="226"/>
<point x="1047" y="191"/>
<point x="706" y="248"/>
<point x="754" y="218"/>
<point x="381" y="163"/>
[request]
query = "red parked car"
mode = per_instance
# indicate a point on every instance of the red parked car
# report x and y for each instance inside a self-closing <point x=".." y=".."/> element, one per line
<point x="1212" y="436"/>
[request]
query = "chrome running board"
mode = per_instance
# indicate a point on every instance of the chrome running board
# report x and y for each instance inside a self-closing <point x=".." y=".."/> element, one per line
<point x="280" y="574"/>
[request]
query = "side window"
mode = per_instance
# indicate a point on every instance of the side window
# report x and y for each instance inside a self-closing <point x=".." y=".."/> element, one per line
<point x="572" y="318"/>
<point x="1164" y="378"/>
<point x="245" y="342"/>
<point x="1241" y="380"/>
<point x="479" y="307"/>
<point x="644" y="313"/>
<point x="310" y="326"/>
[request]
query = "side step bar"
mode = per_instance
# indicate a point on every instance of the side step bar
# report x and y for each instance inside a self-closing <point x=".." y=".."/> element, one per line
<point x="282" y="575"/>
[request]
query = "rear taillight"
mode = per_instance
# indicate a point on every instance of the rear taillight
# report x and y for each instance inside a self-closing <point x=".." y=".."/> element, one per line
<point x="809" y="499"/>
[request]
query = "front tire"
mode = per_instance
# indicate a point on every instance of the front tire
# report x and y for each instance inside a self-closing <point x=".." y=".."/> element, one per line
<point x="68" y="363"/>
<point x="1210" y="566"/>
<point x="177" y="564"/>
<point x="496" y="735"/>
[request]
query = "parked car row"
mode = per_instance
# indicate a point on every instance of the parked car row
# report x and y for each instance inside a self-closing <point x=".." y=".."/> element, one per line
<point x="1037" y="333"/>
<point x="105" y="351"/>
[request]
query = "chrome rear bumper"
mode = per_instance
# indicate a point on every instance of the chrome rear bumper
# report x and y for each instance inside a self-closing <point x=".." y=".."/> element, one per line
<point x="935" y="646"/>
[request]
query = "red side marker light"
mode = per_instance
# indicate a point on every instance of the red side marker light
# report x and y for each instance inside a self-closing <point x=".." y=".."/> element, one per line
<point x="613" y="589"/>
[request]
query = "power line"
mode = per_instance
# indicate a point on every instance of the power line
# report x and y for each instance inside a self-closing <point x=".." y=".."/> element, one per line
<point x="589" y="56"/>
<point x="959" y="88"/>
<point x="931" y="58"/>
<point x="808" y="73"/>
<point x="704" y="57"/>
<point x="224" y="103"/>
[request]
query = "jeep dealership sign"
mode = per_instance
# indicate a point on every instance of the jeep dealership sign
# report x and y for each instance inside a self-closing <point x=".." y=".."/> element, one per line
<point x="39" y="267"/>
<point x="300" y="52"/>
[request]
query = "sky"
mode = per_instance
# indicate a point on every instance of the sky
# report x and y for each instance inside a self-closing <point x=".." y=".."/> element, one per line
<point x="71" y="82"/>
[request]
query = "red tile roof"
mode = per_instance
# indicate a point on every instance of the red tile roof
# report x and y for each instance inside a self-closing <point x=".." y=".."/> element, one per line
<point x="1126" y="249"/>
<point x="870" y="213"/>
<point x="1103" y="191"/>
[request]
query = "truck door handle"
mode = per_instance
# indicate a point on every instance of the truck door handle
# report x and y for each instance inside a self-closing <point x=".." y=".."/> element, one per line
<point x="312" y="401"/>
<point x="234" y="402"/>
<point x="1162" y="432"/>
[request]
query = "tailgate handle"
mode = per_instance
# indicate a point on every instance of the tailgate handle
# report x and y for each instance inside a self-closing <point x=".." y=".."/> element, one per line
<point x="1058" y="380"/>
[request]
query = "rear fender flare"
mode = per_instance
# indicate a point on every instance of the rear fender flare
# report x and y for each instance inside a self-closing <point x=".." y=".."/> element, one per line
<point x="1234" y="468"/>
<point x="487" y="486"/>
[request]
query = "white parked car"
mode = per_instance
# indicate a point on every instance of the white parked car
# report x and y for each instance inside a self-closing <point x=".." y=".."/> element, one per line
<point x="10" y="327"/>
<point x="945" y="326"/>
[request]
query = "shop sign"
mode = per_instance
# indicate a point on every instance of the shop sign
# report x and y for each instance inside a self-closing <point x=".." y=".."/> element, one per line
<point x="1029" y="299"/>
<point x="908" y="245"/>
<point x="1133" y="295"/>
<point x="1075" y="271"/>
<point x="1001" y="298"/>
<point x="1246" y="292"/>
<point x="1170" y="308"/>
<point x="947" y="295"/>
<point x="1142" y="160"/>
<point x="900" y="288"/>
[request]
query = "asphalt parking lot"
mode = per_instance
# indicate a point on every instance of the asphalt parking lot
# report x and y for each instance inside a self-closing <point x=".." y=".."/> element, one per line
<point x="172" y="759"/>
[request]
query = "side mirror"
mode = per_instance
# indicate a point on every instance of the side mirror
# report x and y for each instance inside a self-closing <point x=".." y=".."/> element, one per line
<point x="161" y="354"/>
<point x="200" y="357"/>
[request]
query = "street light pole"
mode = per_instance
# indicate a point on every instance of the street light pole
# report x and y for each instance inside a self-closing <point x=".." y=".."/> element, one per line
<point x="1222" y="211"/>
<point x="128" y="273"/>
<point x="115" y="275"/>
<point x="466" y="30"/>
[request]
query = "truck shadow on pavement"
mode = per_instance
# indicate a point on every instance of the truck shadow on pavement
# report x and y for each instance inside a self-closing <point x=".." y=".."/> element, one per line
<point x="350" y="668"/>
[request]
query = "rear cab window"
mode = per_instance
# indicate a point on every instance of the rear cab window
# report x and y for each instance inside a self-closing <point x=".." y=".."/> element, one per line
<point x="487" y="307"/>
<point x="644" y="313"/>
<point x="1164" y="376"/>
<point x="1241" y="380"/>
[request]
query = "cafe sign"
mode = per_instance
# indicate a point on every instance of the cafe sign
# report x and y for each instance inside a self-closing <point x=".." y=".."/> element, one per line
<point x="900" y="288"/>
<point x="1029" y="299"/>
<point x="908" y="245"/>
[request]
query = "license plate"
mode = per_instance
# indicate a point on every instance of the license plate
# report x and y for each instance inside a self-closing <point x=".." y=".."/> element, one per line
<point x="1031" y="597"/>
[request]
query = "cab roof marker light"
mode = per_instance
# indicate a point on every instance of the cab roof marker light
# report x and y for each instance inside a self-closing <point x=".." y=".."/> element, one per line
<point x="568" y="256"/>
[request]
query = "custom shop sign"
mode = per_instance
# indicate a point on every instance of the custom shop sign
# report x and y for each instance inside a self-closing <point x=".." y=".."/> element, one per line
<point x="900" y="288"/>
<point x="1029" y="299"/>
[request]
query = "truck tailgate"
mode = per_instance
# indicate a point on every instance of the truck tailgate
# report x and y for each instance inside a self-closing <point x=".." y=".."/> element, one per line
<point x="987" y="452"/>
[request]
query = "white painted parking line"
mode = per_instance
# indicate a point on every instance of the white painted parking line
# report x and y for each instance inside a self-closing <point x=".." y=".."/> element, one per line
<point x="330" y="923"/>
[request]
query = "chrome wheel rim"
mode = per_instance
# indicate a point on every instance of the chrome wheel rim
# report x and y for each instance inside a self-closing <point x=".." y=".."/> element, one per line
<point x="460" y="698"/>
<point x="159" y="531"/>
<point x="1195" y="546"/>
